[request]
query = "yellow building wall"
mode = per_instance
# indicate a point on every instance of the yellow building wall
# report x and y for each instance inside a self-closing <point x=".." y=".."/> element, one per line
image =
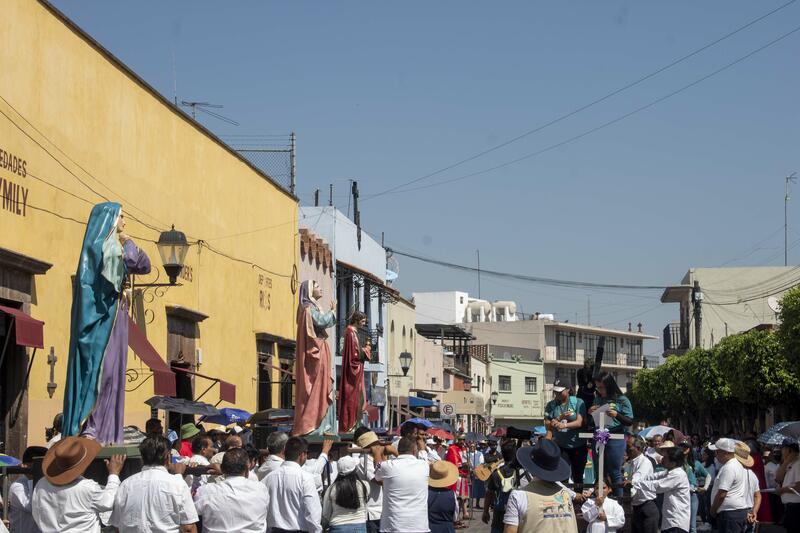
<point x="66" y="105"/>
<point x="401" y="318"/>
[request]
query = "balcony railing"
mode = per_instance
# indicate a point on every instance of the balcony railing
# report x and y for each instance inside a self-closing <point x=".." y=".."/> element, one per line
<point x="634" y="360"/>
<point x="456" y="364"/>
<point x="565" y="354"/>
<point x="676" y="338"/>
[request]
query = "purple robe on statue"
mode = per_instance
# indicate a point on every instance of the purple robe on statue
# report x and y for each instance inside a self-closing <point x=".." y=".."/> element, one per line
<point x="106" y="419"/>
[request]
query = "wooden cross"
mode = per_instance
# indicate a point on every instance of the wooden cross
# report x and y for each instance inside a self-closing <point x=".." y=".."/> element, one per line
<point x="601" y="448"/>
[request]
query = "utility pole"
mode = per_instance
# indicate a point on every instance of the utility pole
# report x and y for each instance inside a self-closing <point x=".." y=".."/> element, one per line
<point x="790" y="178"/>
<point x="330" y="195"/>
<point x="479" y="273"/>
<point x="588" y="310"/>
<point x="697" y="298"/>
<point x="292" y="159"/>
<point x="316" y="198"/>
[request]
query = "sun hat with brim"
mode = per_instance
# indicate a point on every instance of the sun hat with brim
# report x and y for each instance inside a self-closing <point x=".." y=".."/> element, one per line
<point x="189" y="430"/>
<point x="544" y="461"/>
<point x="666" y="445"/>
<point x="742" y="451"/>
<point x="442" y="474"/>
<point x="68" y="459"/>
<point x="725" y="445"/>
<point x="367" y="439"/>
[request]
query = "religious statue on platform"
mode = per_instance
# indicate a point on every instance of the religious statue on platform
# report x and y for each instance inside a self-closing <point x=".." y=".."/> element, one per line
<point x="314" y="411"/>
<point x="94" y="397"/>
<point x="353" y="393"/>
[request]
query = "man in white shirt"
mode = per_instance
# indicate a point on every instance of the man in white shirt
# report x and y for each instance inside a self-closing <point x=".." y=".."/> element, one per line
<point x="276" y="444"/>
<point x="788" y="479"/>
<point x="729" y="495"/>
<point x="294" y="503"/>
<point x="405" y="488"/>
<point x="646" y="517"/>
<point x="154" y="500"/>
<point x="202" y="452"/>
<point x="64" y="501"/>
<point x="673" y="483"/>
<point x="20" y="513"/>
<point x="235" y="504"/>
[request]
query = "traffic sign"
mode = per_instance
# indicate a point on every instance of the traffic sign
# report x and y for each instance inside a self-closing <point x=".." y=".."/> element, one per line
<point x="448" y="410"/>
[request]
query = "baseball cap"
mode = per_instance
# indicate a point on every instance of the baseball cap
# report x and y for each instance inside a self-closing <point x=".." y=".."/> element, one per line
<point x="558" y="386"/>
<point x="724" y="444"/>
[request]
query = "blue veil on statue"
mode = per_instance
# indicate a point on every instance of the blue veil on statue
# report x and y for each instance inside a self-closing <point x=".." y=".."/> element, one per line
<point x="98" y="347"/>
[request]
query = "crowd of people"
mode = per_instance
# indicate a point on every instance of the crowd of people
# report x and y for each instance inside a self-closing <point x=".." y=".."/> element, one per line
<point x="215" y="481"/>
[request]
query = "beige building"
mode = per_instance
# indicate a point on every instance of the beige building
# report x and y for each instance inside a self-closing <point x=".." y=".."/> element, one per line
<point x="727" y="301"/>
<point x="517" y="376"/>
<point x="561" y="347"/>
<point x="400" y="343"/>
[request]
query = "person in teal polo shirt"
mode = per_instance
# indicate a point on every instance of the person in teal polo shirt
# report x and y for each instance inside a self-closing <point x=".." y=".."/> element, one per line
<point x="564" y="415"/>
<point x="619" y="418"/>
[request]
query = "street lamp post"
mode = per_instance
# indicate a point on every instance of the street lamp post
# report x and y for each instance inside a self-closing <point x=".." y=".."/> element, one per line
<point x="494" y="397"/>
<point x="405" y="365"/>
<point x="172" y="247"/>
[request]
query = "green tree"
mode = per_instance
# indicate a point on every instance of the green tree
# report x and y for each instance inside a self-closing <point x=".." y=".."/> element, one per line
<point x="789" y="328"/>
<point x="709" y="391"/>
<point x="759" y="373"/>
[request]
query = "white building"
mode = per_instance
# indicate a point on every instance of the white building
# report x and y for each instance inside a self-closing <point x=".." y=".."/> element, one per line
<point x="453" y="307"/>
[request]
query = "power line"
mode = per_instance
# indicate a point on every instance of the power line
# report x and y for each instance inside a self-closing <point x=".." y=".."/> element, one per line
<point x="523" y="277"/>
<point x="394" y="190"/>
<point x="585" y="106"/>
<point x="60" y="163"/>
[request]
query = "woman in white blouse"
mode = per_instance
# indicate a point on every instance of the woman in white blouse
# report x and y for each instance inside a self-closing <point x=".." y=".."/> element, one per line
<point x="673" y="483"/>
<point x="344" y="506"/>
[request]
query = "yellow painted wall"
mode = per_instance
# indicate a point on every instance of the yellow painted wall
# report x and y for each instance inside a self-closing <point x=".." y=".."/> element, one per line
<point x="137" y="150"/>
<point x="401" y="318"/>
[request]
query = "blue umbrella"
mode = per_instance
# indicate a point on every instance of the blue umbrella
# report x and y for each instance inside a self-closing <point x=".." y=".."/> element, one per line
<point x="229" y="415"/>
<point x="421" y="421"/>
<point x="7" y="460"/>
<point x="445" y="426"/>
<point x="775" y="435"/>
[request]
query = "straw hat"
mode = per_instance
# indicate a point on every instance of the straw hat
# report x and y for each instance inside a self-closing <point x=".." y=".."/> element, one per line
<point x="666" y="445"/>
<point x="442" y="474"/>
<point x="742" y="451"/>
<point x="367" y="439"/>
<point x="68" y="459"/>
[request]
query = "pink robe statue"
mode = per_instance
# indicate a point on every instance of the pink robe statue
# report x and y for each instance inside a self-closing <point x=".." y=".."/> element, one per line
<point x="353" y="393"/>
<point x="313" y="411"/>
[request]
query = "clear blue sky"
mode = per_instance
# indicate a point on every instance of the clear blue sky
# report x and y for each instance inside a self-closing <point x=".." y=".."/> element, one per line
<point x="384" y="92"/>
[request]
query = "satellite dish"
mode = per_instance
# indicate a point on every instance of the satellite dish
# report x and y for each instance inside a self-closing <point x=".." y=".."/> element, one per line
<point x="392" y="268"/>
<point x="774" y="304"/>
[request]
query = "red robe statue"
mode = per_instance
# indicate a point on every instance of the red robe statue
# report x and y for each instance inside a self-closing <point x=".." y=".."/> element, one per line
<point x="353" y="394"/>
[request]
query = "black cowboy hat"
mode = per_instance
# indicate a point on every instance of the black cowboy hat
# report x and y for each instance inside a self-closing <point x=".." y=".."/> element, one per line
<point x="544" y="461"/>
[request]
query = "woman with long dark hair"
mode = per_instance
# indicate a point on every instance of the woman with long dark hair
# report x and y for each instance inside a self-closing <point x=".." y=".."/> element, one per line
<point x="619" y="418"/>
<point x="344" y="506"/>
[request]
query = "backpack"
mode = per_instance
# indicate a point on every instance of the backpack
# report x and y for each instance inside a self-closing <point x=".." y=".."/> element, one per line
<point x="507" y="484"/>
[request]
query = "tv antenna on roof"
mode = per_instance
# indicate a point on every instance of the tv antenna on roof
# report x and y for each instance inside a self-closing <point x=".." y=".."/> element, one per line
<point x="204" y="107"/>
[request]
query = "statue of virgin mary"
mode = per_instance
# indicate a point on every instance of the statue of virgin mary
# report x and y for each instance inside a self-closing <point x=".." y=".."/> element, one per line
<point x="94" y="397"/>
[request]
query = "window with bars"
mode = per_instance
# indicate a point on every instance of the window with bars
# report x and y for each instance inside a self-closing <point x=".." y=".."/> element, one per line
<point x="635" y="353"/>
<point x="567" y="376"/>
<point x="530" y="385"/>
<point x="610" y="352"/>
<point x="504" y="383"/>
<point x="565" y="345"/>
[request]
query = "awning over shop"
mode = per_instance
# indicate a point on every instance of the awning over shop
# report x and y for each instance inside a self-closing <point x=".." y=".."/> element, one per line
<point x="163" y="377"/>
<point x="30" y="332"/>
<point x="227" y="391"/>
<point x="414" y="401"/>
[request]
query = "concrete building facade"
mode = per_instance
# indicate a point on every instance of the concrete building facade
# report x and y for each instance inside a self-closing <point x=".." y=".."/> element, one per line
<point x="728" y="300"/>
